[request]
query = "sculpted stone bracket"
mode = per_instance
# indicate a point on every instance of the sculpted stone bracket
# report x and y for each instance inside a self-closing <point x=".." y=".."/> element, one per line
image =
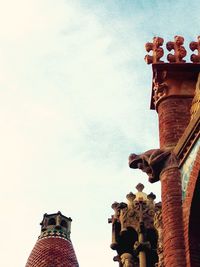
<point x="179" y="50"/>
<point x="153" y="162"/>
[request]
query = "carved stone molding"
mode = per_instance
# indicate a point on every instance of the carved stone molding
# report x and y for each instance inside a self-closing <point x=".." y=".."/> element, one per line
<point x="160" y="87"/>
<point x="173" y="80"/>
<point x="188" y="140"/>
<point x="153" y="162"/>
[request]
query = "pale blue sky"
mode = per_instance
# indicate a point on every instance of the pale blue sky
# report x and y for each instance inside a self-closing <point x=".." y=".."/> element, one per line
<point x="74" y="103"/>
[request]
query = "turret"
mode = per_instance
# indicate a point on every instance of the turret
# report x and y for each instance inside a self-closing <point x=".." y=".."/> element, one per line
<point x="53" y="247"/>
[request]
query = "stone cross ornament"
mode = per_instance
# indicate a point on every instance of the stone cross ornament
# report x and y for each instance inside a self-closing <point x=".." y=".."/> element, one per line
<point x="179" y="50"/>
<point x="157" y="50"/>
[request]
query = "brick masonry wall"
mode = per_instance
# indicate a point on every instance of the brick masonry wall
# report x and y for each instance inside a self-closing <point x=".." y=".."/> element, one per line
<point x="52" y="252"/>
<point x="191" y="216"/>
<point x="174" y="116"/>
<point x="173" y="240"/>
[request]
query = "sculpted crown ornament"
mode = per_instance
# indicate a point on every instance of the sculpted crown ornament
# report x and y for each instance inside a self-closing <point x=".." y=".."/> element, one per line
<point x="179" y="50"/>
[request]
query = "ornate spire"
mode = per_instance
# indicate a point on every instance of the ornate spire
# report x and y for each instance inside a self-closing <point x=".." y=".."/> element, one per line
<point x="133" y="229"/>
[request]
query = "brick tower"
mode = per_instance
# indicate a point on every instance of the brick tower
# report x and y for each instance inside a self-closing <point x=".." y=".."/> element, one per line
<point x="176" y="98"/>
<point x="53" y="247"/>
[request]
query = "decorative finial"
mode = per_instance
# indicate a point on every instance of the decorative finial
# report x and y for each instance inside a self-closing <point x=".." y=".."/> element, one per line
<point x="130" y="196"/>
<point x="140" y="187"/>
<point x="195" y="46"/>
<point x="115" y="206"/>
<point x="179" y="50"/>
<point x="151" y="196"/>
<point x="157" y="50"/>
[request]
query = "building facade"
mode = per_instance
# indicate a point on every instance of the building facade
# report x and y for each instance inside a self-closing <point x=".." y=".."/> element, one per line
<point x="176" y="163"/>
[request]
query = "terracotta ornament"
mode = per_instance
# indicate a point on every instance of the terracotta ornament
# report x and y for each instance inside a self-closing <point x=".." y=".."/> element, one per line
<point x="179" y="50"/>
<point x="157" y="50"/>
<point x="195" y="46"/>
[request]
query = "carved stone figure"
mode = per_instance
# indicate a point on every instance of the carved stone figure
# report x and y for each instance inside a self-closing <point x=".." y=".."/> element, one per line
<point x="151" y="162"/>
<point x="160" y="87"/>
<point x="123" y="215"/>
<point x="179" y="50"/>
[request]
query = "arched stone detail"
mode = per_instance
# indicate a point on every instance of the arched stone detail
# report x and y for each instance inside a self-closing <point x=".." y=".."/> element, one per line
<point x="187" y="207"/>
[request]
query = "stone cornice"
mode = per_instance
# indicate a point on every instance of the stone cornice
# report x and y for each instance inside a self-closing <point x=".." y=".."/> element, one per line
<point x="189" y="138"/>
<point x="173" y="80"/>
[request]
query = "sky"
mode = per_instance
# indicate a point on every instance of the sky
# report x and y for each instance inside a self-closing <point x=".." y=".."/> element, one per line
<point x="74" y="103"/>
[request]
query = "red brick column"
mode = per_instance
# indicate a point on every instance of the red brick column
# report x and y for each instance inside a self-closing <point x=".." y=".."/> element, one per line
<point x="173" y="240"/>
<point x="172" y="93"/>
<point x="174" y="117"/>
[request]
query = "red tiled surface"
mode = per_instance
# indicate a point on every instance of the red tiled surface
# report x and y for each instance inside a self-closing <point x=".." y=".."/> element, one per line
<point x="52" y="252"/>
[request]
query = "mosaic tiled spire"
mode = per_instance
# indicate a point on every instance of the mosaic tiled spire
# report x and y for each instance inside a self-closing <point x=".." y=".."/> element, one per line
<point x="53" y="247"/>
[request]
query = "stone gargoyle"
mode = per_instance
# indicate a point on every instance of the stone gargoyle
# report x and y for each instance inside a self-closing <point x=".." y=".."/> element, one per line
<point x="152" y="162"/>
